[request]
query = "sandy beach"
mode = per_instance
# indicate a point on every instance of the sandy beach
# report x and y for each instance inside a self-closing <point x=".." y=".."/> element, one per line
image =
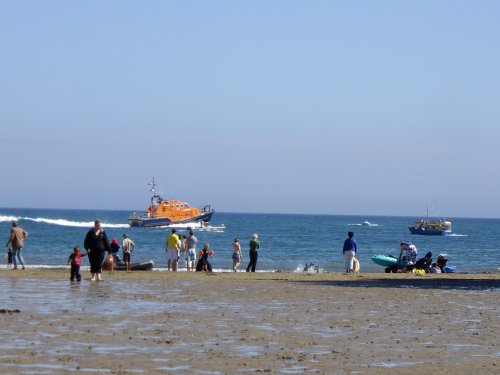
<point x="224" y="323"/>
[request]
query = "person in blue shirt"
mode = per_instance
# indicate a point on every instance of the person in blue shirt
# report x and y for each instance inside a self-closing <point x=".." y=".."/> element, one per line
<point x="349" y="251"/>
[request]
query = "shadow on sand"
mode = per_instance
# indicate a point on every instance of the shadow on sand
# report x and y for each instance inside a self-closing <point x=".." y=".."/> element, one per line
<point x="417" y="282"/>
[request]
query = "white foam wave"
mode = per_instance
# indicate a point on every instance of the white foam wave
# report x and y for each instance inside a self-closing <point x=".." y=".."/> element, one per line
<point x="457" y="235"/>
<point x="62" y="222"/>
<point x="8" y="218"/>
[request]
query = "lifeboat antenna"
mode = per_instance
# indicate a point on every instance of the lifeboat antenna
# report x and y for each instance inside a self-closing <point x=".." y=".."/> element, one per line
<point x="152" y="186"/>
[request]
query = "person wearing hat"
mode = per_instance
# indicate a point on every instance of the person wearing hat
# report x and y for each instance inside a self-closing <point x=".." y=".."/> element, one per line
<point x="127" y="246"/>
<point x="254" y="253"/>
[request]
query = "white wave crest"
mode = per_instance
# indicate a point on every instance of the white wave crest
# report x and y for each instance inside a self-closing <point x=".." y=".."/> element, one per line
<point x="62" y="222"/>
<point x="8" y="218"/>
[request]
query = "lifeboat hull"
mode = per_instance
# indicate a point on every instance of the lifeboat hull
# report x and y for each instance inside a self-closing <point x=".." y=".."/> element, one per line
<point x="146" y="222"/>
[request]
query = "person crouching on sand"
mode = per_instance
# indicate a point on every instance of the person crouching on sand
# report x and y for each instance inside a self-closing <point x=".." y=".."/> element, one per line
<point x="203" y="263"/>
<point x="75" y="259"/>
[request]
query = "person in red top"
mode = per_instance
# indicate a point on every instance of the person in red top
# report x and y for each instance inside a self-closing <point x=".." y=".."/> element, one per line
<point x="75" y="260"/>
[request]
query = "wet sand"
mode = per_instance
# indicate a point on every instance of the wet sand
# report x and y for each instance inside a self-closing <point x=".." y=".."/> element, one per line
<point x="224" y="323"/>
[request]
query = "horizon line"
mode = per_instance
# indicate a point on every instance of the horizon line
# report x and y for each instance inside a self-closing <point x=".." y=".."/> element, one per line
<point x="247" y="213"/>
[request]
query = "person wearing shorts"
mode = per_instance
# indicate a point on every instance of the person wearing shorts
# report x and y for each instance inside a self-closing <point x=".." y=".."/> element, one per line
<point x="127" y="246"/>
<point x="172" y="247"/>
<point x="237" y="256"/>
<point x="190" y="258"/>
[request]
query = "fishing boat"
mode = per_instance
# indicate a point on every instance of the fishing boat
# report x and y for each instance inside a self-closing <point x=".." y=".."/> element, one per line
<point x="163" y="212"/>
<point x="428" y="227"/>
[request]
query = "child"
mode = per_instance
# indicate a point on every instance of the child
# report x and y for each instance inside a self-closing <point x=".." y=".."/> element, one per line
<point x="203" y="263"/>
<point x="9" y="258"/>
<point x="75" y="260"/>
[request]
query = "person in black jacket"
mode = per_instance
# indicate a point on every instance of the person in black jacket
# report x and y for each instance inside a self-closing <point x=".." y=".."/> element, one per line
<point x="424" y="263"/>
<point x="96" y="243"/>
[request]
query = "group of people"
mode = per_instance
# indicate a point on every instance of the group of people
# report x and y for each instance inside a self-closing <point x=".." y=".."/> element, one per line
<point x="179" y="247"/>
<point x="409" y="262"/>
<point x="184" y="247"/>
<point x="97" y="244"/>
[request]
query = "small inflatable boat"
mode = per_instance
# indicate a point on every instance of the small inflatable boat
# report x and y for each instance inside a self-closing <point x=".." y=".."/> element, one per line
<point x="142" y="266"/>
<point x="385" y="260"/>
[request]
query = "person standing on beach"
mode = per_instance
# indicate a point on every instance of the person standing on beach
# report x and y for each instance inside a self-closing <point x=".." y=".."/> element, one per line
<point x="75" y="260"/>
<point x="191" y="242"/>
<point x="182" y="248"/>
<point x="349" y="251"/>
<point x="127" y="246"/>
<point x="237" y="256"/>
<point x="253" y="253"/>
<point x="172" y="246"/>
<point x="96" y="243"/>
<point x="9" y="258"/>
<point x="16" y="240"/>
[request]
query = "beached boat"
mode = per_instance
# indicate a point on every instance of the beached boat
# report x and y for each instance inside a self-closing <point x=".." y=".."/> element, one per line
<point x="163" y="212"/>
<point x="141" y="266"/>
<point x="428" y="227"/>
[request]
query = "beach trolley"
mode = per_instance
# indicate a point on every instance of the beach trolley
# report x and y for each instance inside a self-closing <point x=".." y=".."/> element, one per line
<point x="407" y="257"/>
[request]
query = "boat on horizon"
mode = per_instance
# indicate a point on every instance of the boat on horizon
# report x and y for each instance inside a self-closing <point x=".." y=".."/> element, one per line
<point x="428" y="227"/>
<point x="164" y="212"/>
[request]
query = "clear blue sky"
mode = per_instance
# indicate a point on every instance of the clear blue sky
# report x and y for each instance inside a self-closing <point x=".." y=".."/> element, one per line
<point x="341" y="107"/>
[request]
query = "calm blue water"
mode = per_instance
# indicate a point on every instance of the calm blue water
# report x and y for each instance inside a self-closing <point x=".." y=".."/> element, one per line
<point x="287" y="241"/>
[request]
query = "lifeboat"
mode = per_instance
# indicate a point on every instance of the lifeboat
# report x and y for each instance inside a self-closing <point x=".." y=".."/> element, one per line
<point x="163" y="212"/>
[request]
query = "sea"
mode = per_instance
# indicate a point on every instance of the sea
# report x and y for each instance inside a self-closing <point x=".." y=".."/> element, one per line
<point x="288" y="242"/>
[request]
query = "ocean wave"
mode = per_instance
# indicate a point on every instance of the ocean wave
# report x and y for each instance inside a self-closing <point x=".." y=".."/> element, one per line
<point x="61" y="222"/>
<point x="8" y="218"/>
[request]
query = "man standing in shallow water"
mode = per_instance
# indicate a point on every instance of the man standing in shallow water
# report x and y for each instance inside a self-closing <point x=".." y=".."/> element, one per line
<point x="16" y="240"/>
